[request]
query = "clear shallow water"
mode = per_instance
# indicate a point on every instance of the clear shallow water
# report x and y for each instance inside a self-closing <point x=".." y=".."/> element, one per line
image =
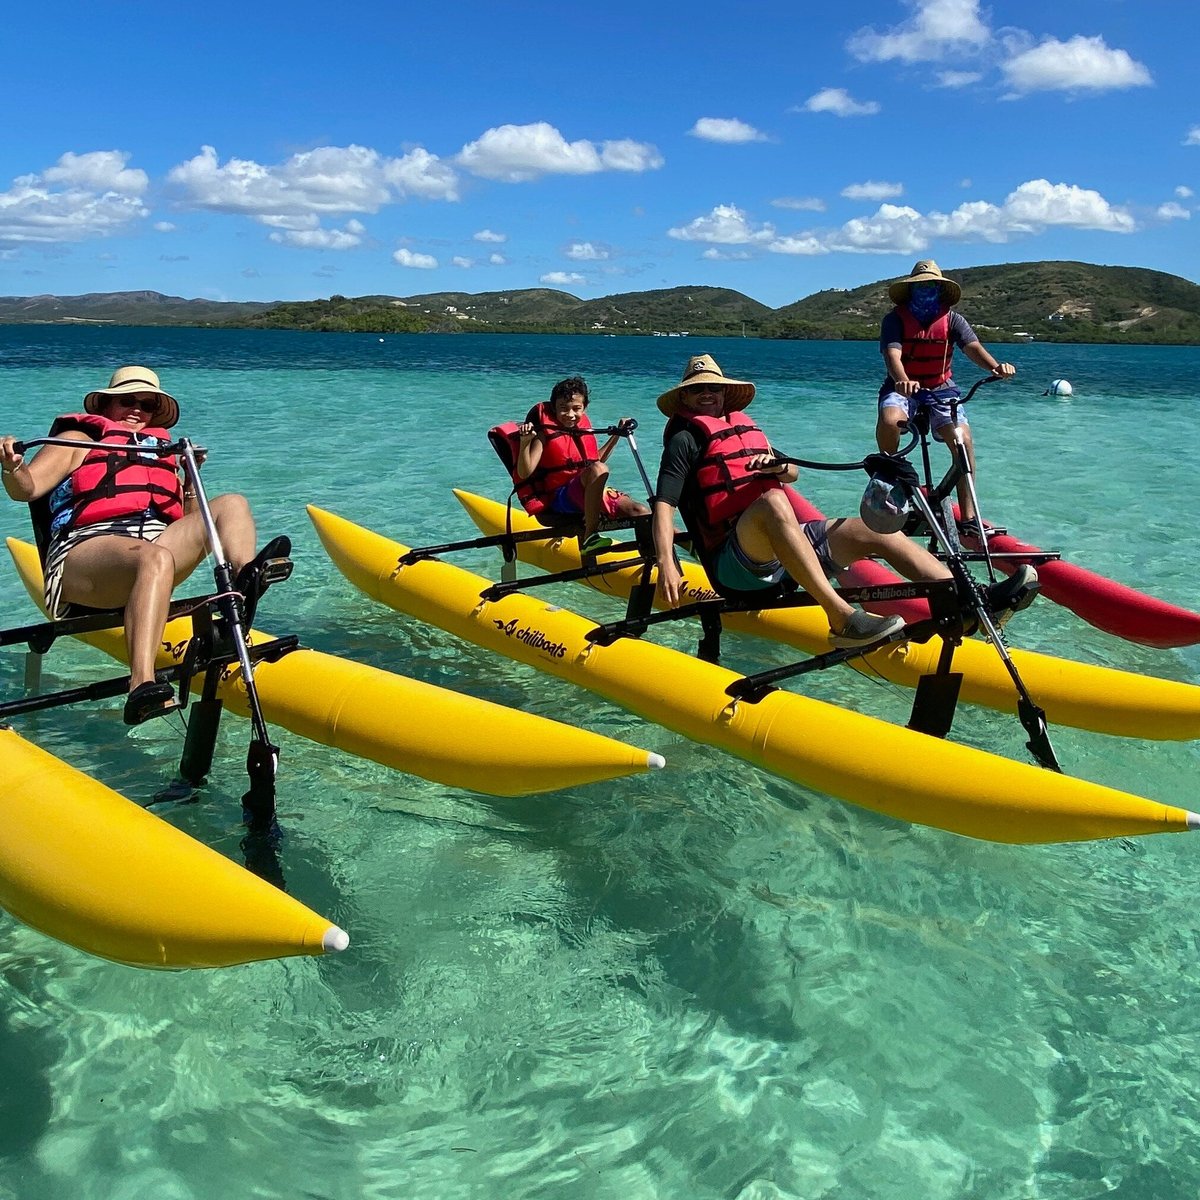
<point x="710" y="983"/>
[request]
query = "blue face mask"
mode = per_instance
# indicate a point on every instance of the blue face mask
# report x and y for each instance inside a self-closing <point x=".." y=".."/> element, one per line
<point x="925" y="301"/>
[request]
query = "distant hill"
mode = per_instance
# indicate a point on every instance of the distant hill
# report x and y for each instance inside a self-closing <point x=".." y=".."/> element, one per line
<point x="701" y="310"/>
<point x="1042" y="301"/>
<point x="1045" y="301"/>
<point x="121" y="308"/>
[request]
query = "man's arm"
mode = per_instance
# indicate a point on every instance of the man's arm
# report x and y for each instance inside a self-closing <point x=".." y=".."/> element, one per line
<point x="669" y="575"/>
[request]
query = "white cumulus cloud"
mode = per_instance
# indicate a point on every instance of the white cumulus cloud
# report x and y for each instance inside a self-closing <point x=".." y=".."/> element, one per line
<point x="82" y="196"/>
<point x="1078" y="64"/>
<point x="1029" y="209"/>
<point x="715" y="255"/>
<point x="408" y="258"/>
<point x="839" y="102"/>
<point x="873" y="190"/>
<point x="937" y="29"/>
<point x="561" y="278"/>
<point x="1193" y="136"/>
<point x="497" y="260"/>
<point x="586" y="252"/>
<point x="487" y="235"/>
<point x="322" y="239"/>
<point x="725" y="129"/>
<point x="1183" y="192"/>
<point x="459" y="261"/>
<point x="1172" y="212"/>
<point x="519" y="153"/>
<point x="724" y="226"/>
<point x="957" y="79"/>
<point x="164" y="227"/>
<point x="330" y="179"/>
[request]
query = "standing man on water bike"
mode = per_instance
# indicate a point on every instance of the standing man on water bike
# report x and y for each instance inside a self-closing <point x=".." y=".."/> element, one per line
<point x="917" y="340"/>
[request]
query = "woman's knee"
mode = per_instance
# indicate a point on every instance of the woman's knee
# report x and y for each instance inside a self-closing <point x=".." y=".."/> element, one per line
<point x="595" y="471"/>
<point x="231" y="505"/>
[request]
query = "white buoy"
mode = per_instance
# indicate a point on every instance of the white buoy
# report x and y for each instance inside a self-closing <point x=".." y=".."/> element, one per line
<point x="1059" y="387"/>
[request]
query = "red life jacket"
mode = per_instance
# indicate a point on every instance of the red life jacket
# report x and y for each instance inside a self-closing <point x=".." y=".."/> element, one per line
<point x="107" y="485"/>
<point x="565" y="453"/>
<point x="926" y="350"/>
<point x="721" y="482"/>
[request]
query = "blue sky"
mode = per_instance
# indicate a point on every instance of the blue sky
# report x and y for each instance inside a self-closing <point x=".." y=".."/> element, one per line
<point x="268" y="151"/>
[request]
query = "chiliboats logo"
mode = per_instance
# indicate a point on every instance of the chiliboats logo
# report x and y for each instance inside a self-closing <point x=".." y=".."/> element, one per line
<point x="535" y="639"/>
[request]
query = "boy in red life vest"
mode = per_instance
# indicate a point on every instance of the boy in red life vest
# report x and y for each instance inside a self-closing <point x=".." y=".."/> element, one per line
<point x="559" y="468"/>
<point x="917" y="340"/>
<point x="121" y="531"/>
<point x="719" y="471"/>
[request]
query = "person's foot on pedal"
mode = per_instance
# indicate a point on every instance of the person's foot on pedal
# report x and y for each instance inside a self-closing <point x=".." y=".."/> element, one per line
<point x="250" y="581"/>
<point x="1011" y="595"/>
<point x="863" y="628"/>
<point x="596" y="543"/>
<point x="147" y="700"/>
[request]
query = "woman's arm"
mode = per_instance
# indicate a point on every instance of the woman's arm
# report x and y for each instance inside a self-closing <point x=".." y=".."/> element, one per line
<point x="27" y="479"/>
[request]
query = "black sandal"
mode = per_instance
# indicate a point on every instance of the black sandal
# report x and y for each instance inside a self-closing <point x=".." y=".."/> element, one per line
<point x="148" y="700"/>
<point x="270" y="565"/>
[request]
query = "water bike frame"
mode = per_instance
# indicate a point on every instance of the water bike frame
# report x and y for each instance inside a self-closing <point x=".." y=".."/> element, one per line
<point x="220" y="640"/>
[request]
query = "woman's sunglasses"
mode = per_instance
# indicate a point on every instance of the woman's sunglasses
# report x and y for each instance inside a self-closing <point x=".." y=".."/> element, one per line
<point x="146" y="406"/>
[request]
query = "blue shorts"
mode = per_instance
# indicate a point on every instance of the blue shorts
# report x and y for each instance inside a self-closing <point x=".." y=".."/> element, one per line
<point x="937" y="402"/>
<point x="736" y="570"/>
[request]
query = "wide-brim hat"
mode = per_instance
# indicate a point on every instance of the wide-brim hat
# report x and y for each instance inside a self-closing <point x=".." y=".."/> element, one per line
<point x="136" y="380"/>
<point x="925" y="270"/>
<point x="702" y="368"/>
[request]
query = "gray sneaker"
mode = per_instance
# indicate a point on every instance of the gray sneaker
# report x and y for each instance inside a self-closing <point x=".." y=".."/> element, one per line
<point x="863" y="628"/>
<point x="1011" y="595"/>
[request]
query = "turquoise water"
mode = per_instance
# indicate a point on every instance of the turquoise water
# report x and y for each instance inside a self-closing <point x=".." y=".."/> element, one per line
<point x="709" y="983"/>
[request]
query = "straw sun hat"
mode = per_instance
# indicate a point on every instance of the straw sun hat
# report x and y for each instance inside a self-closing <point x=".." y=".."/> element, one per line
<point x="127" y="381"/>
<point x="925" y="270"/>
<point x="702" y="368"/>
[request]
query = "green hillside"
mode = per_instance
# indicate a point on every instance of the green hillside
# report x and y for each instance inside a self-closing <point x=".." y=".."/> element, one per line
<point x="121" y="308"/>
<point x="1047" y="301"/>
<point x="1042" y="301"/>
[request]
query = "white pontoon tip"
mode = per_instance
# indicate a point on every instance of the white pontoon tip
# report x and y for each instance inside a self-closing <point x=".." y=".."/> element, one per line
<point x="655" y="762"/>
<point x="1193" y="820"/>
<point x="335" y="939"/>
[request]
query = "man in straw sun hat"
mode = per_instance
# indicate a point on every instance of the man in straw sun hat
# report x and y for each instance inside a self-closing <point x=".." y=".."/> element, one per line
<point x="917" y="340"/>
<point x="720" y="473"/>
<point x="120" y="530"/>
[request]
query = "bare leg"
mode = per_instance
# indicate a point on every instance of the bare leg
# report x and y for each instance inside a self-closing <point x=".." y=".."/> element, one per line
<point x="966" y="506"/>
<point x="187" y="541"/>
<point x="595" y="479"/>
<point x="767" y="530"/>
<point x="850" y="539"/>
<point x="887" y="429"/>
<point x="108" y="572"/>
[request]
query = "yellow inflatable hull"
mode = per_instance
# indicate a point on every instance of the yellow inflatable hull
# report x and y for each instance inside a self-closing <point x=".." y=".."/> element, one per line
<point x="1075" y="694"/>
<point x="866" y="761"/>
<point x="85" y="865"/>
<point x="415" y="727"/>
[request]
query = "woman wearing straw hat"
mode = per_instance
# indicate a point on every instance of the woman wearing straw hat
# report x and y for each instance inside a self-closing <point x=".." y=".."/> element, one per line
<point x="122" y="530"/>
<point x="917" y="340"/>
<point x="720" y="472"/>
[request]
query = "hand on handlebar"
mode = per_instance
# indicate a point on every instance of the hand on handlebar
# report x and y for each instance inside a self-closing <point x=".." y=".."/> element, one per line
<point x="1004" y="370"/>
